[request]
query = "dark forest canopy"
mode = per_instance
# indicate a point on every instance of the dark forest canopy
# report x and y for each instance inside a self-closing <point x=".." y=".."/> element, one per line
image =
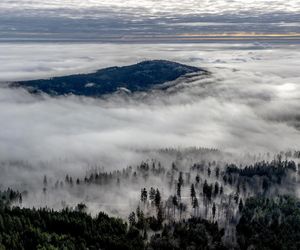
<point x="270" y="224"/>
<point x="47" y="229"/>
<point x="264" y="224"/>
<point x="138" y="77"/>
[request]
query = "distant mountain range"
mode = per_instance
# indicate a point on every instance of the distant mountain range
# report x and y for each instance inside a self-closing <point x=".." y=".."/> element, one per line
<point x="138" y="77"/>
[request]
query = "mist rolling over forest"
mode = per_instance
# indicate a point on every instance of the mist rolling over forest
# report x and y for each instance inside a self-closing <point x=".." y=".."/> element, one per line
<point x="133" y="126"/>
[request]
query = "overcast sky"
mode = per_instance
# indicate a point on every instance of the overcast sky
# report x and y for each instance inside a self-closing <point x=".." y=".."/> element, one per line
<point x="119" y="19"/>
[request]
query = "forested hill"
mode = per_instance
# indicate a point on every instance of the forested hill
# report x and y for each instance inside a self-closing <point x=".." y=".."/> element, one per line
<point x="138" y="77"/>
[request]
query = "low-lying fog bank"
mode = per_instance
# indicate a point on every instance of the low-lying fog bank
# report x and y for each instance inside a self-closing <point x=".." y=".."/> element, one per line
<point x="249" y="104"/>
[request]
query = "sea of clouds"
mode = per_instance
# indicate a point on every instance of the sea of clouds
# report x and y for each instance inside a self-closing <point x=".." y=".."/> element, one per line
<point x="249" y="104"/>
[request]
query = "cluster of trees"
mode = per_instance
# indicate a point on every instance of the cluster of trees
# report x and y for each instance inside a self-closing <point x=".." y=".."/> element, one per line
<point x="161" y="230"/>
<point x="214" y="193"/>
<point x="7" y="197"/>
<point x="270" y="224"/>
<point x="210" y="189"/>
<point x="277" y="169"/>
<point x="264" y="178"/>
<point x="264" y="224"/>
<point x="46" y="229"/>
<point x="207" y="204"/>
<point x="193" y="233"/>
<point x="99" y="177"/>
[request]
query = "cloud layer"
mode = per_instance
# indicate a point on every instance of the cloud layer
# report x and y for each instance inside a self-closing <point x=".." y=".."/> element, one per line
<point x="119" y="20"/>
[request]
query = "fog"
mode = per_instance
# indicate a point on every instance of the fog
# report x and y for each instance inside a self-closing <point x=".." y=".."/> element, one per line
<point x="249" y="104"/>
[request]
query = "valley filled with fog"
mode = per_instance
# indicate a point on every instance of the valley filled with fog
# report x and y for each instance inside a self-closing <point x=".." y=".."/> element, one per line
<point x="149" y="125"/>
<point x="248" y="108"/>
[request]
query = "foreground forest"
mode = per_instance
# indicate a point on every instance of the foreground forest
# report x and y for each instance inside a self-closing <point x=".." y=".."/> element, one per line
<point x="209" y="205"/>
